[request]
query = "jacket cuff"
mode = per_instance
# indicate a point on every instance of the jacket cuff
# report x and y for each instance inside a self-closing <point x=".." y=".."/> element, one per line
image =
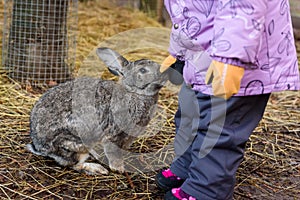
<point x="235" y="61"/>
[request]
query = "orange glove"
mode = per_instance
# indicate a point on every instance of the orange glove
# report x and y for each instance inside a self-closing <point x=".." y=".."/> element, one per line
<point x="168" y="62"/>
<point x="225" y="79"/>
<point x="174" y="69"/>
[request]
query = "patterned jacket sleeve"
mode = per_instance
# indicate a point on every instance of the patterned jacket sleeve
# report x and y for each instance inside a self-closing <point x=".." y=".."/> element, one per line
<point x="238" y="28"/>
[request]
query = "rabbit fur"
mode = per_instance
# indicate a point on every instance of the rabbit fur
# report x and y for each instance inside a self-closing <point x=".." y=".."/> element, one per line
<point x="69" y="120"/>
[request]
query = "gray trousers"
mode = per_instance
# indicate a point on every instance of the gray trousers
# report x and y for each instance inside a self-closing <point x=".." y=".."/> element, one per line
<point x="210" y="140"/>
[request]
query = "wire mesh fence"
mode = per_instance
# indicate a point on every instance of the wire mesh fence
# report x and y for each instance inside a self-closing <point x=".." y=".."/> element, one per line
<point x="39" y="40"/>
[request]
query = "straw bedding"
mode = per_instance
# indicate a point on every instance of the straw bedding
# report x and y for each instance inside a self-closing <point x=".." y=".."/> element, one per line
<point x="270" y="170"/>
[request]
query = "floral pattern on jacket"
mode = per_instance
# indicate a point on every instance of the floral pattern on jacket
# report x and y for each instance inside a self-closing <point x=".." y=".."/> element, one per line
<point x="256" y="35"/>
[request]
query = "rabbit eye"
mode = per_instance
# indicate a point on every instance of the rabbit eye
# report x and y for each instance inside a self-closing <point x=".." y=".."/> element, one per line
<point x="143" y="70"/>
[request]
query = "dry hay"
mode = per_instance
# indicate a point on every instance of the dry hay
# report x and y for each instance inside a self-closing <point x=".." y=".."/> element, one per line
<point x="270" y="170"/>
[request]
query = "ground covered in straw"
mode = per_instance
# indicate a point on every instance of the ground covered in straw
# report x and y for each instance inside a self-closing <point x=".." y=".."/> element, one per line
<point x="270" y="170"/>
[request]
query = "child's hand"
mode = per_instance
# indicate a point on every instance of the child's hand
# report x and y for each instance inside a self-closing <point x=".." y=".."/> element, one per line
<point x="225" y="79"/>
<point x="168" y="62"/>
<point x="174" y="69"/>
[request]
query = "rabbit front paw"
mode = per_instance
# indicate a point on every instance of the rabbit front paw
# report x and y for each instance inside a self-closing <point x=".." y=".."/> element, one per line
<point x="91" y="168"/>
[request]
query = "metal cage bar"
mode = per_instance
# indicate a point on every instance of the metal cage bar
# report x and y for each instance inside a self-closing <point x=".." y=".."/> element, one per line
<point x="39" y="40"/>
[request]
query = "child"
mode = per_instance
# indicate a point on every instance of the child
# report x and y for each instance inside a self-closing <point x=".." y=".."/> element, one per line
<point x="235" y="54"/>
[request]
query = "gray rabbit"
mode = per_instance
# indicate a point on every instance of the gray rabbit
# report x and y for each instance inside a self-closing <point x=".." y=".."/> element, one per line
<point x="71" y="119"/>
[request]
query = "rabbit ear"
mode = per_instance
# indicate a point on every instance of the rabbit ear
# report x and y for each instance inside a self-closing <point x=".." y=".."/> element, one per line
<point x="113" y="60"/>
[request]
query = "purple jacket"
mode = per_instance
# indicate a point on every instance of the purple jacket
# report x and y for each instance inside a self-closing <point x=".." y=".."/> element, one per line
<point x="254" y="34"/>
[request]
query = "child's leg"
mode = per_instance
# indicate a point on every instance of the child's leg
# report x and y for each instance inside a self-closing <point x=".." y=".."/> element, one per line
<point x="218" y="149"/>
<point x="186" y="128"/>
<point x="188" y="110"/>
